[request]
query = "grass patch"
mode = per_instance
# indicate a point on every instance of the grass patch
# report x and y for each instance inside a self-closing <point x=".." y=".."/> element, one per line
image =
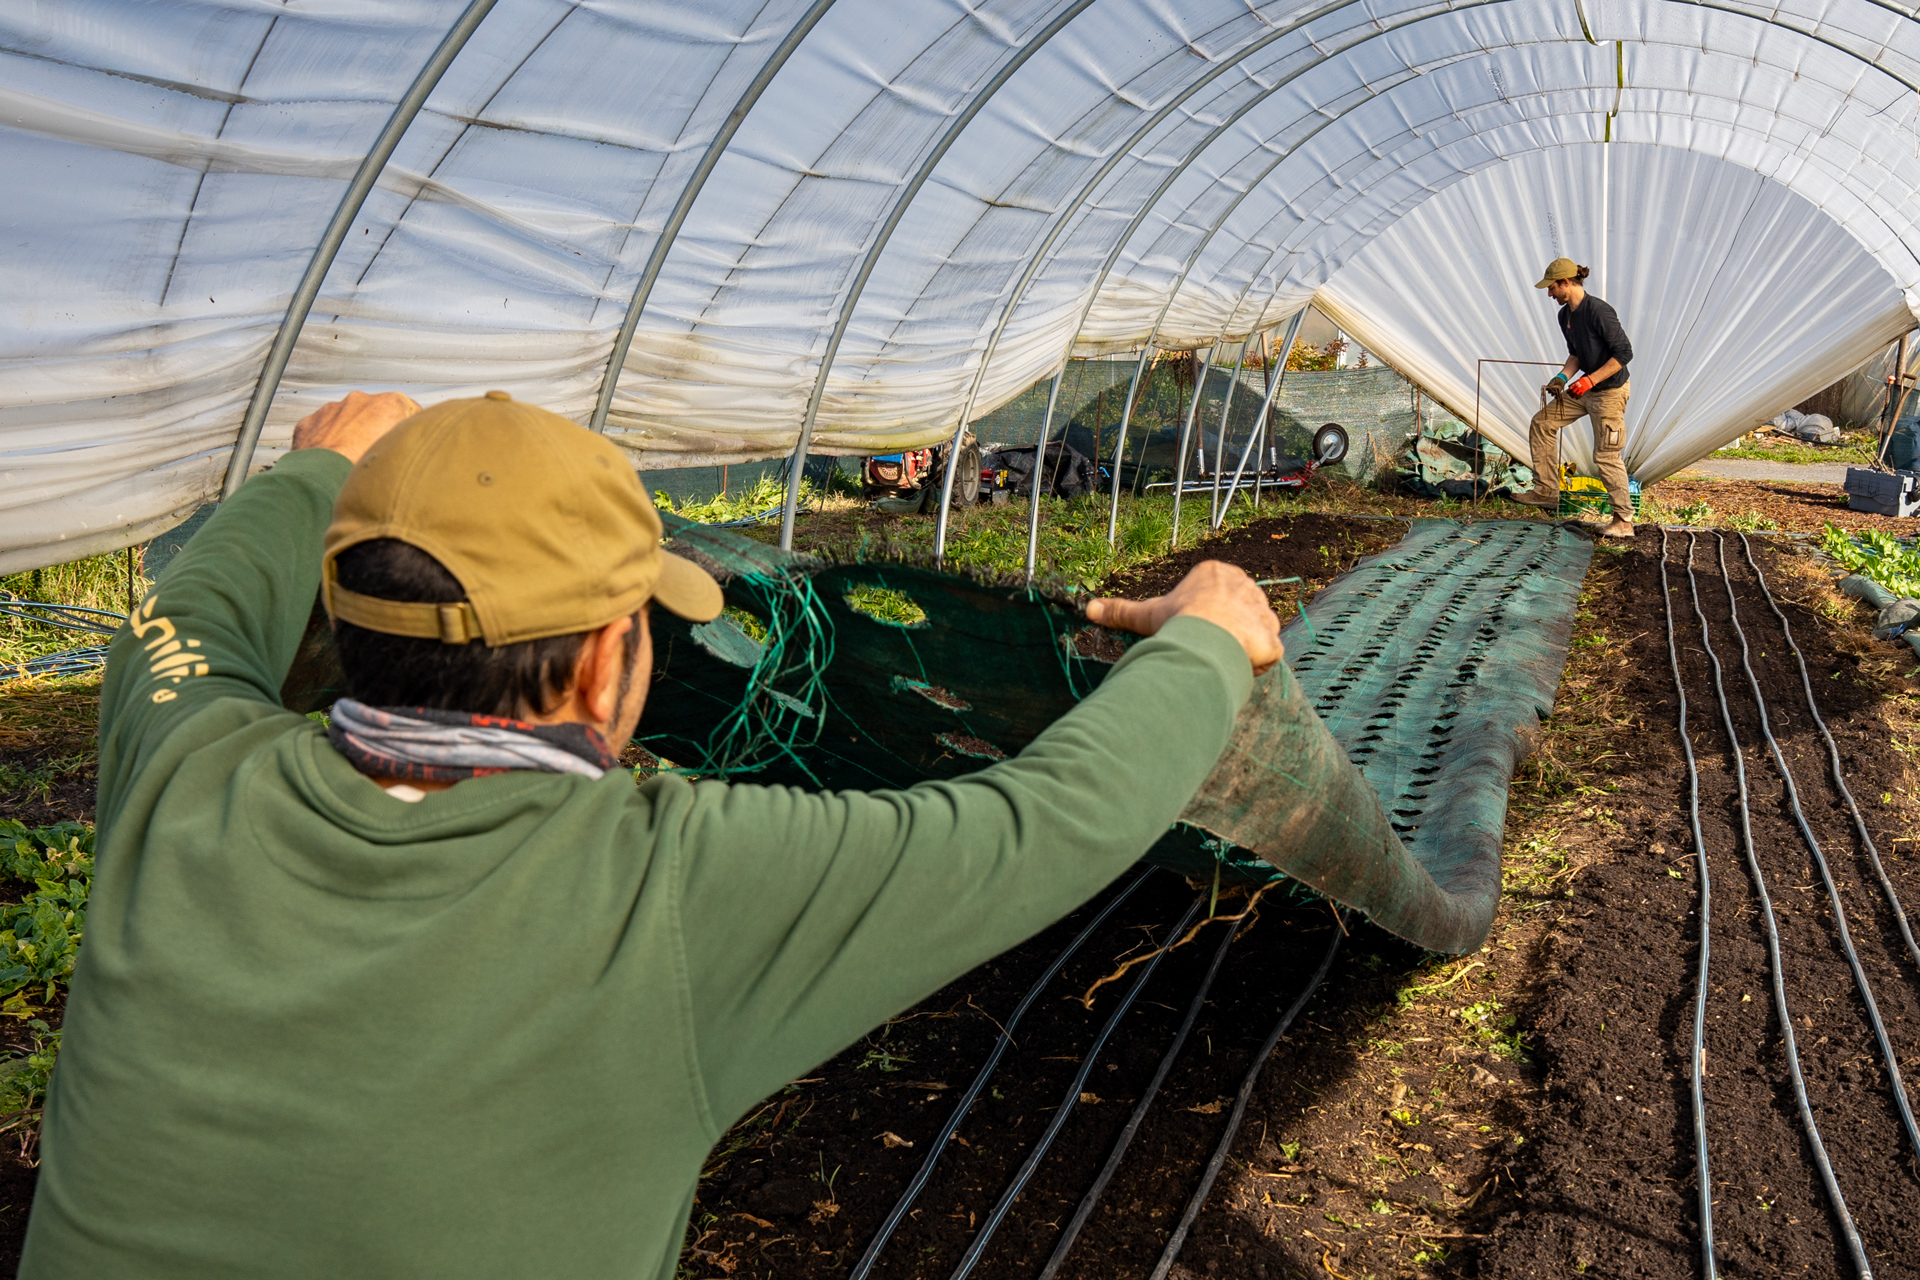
<point x="883" y="604"/>
<point x="763" y="500"/>
<point x="1857" y="449"/>
<point x="98" y="582"/>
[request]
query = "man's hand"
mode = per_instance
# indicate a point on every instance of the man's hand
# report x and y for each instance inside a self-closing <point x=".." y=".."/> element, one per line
<point x="1580" y="388"/>
<point x="1218" y="592"/>
<point x="349" y="427"/>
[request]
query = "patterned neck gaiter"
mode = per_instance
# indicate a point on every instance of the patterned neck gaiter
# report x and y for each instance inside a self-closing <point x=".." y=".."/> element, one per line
<point x="421" y="744"/>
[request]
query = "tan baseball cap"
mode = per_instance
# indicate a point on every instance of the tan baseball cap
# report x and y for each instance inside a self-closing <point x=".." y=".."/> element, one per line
<point x="1559" y="269"/>
<point x="545" y="524"/>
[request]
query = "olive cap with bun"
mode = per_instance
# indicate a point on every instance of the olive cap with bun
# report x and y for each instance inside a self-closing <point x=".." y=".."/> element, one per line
<point x="544" y="523"/>
<point x="1559" y="269"/>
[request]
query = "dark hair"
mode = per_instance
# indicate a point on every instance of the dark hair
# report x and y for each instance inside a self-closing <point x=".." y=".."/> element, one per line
<point x="403" y="671"/>
<point x="1580" y="276"/>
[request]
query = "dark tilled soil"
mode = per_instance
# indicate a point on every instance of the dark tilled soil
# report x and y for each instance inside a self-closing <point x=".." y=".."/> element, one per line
<point x="47" y="730"/>
<point x="1311" y="546"/>
<point x="1609" y="1184"/>
<point x="1794" y="506"/>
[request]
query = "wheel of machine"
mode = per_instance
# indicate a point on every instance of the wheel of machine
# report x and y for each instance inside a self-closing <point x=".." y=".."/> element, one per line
<point x="966" y="483"/>
<point x="1330" y="443"/>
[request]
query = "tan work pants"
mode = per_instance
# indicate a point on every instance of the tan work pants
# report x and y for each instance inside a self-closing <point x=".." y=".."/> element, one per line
<point x="1608" y="411"/>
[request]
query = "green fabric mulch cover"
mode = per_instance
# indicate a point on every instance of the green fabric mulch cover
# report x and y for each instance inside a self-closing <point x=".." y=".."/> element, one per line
<point x="1429" y="665"/>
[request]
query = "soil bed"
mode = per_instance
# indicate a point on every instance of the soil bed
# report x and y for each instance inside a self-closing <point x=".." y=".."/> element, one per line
<point x="1794" y="506"/>
<point x="1609" y="1182"/>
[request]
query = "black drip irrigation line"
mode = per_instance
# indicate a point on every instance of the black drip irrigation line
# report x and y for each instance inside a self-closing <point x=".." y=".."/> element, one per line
<point x="1826" y="873"/>
<point x="1199" y="1200"/>
<point x="1072" y="1233"/>
<point x="971" y="1257"/>
<point x="65" y="617"/>
<point x="1833" y="762"/>
<point x="939" y="1145"/>
<point x="1834" y="1197"/>
<point x="1697" y="1070"/>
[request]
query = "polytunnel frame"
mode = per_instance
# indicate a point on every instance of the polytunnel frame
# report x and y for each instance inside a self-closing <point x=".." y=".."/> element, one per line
<point x="683" y="205"/>
<point x="975" y="105"/>
<point x="409" y="106"/>
<point x="371" y="167"/>
<point x="1065" y="217"/>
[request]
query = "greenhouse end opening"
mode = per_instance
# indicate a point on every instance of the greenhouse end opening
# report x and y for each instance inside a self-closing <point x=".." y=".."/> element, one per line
<point x="988" y="638"/>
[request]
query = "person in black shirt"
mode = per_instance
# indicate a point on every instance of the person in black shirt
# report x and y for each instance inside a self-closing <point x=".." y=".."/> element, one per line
<point x="1598" y="350"/>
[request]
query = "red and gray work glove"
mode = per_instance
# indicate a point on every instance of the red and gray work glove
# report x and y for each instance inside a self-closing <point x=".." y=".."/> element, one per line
<point x="1580" y="386"/>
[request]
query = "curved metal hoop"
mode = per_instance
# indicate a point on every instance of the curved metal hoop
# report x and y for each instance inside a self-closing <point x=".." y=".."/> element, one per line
<point x="900" y="205"/>
<point x="240" y="461"/>
<point x="657" y="259"/>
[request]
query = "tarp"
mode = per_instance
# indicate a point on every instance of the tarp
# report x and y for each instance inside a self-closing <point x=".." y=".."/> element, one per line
<point x="963" y="191"/>
<point x="1372" y="765"/>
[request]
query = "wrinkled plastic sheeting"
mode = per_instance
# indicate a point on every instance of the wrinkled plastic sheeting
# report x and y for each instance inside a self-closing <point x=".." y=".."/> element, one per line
<point x="1429" y="667"/>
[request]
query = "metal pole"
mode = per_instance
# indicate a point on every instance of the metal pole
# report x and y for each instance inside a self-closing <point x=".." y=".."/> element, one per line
<point x="656" y="260"/>
<point x="1186" y="433"/>
<point x="240" y="461"/>
<point x="1039" y="463"/>
<point x="1896" y="397"/>
<point x="1086" y="191"/>
<point x="1120" y="442"/>
<point x="1220" y="447"/>
<point x="885" y="234"/>
<point x="1266" y="404"/>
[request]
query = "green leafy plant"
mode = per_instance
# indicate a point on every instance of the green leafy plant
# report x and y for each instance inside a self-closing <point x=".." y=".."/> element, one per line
<point x="1695" y="512"/>
<point x="1876" y="554"/>
<point x="1753" y="522"/>
<point x="40" y="934"/>
<point x="39" y="941"/>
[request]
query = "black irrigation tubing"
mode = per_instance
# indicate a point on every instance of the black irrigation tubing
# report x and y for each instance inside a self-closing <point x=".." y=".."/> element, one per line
<point x="1838" y="1201"/>
<point x="1833" y="762"/>
<point x="68" y="662"/>
<point x="1072" y="1233"/>
<point x="1199" y="1200"/>
<point x="1698" y="1069"/>
<point x="1820" y="861"/>
<point x="72" y="617"/>
<point x="971" y="1257"/>
<point x="939" y="1145"/>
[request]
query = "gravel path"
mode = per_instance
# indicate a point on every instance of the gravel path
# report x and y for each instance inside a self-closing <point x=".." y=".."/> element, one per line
<point x="1755" y="469"/>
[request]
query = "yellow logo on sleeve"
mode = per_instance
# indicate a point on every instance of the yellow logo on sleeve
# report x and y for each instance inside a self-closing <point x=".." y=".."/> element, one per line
<point x="173" y="657"/>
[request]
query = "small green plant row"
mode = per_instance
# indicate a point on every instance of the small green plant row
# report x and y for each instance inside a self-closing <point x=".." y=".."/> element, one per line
<point x="1698" y="513"/>
<point x="39" y="941"/>
<point x="1875" y="554"/>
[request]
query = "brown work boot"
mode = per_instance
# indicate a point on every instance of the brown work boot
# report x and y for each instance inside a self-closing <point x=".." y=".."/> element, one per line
<point x="1618" y="529"/>
<point x="1538" y="497"/>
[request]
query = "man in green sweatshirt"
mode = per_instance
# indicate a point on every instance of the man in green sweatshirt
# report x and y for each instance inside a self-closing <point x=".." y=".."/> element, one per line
<point x="441" y="992"/>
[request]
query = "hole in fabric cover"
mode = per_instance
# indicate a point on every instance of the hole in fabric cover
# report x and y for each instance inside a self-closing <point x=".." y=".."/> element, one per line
<point x="932" y="693"/>
<point x="724" y="639"/>
<point x="887" y="606"/>
<point x="963" y="744"/>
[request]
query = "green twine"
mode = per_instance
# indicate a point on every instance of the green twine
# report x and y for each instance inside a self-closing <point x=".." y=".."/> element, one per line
<point x="770" y="722"/>
<point x="1270" y="582"/>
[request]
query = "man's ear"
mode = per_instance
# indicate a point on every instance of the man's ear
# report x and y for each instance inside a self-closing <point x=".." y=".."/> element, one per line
<point x="597" y="677"/>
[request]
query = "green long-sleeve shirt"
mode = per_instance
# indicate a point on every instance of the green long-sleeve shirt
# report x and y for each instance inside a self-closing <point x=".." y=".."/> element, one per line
<point x="318" y="1031"/>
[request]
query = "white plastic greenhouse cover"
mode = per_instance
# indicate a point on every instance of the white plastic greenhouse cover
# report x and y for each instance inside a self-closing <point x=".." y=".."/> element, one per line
<point x="959" y="192"/>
